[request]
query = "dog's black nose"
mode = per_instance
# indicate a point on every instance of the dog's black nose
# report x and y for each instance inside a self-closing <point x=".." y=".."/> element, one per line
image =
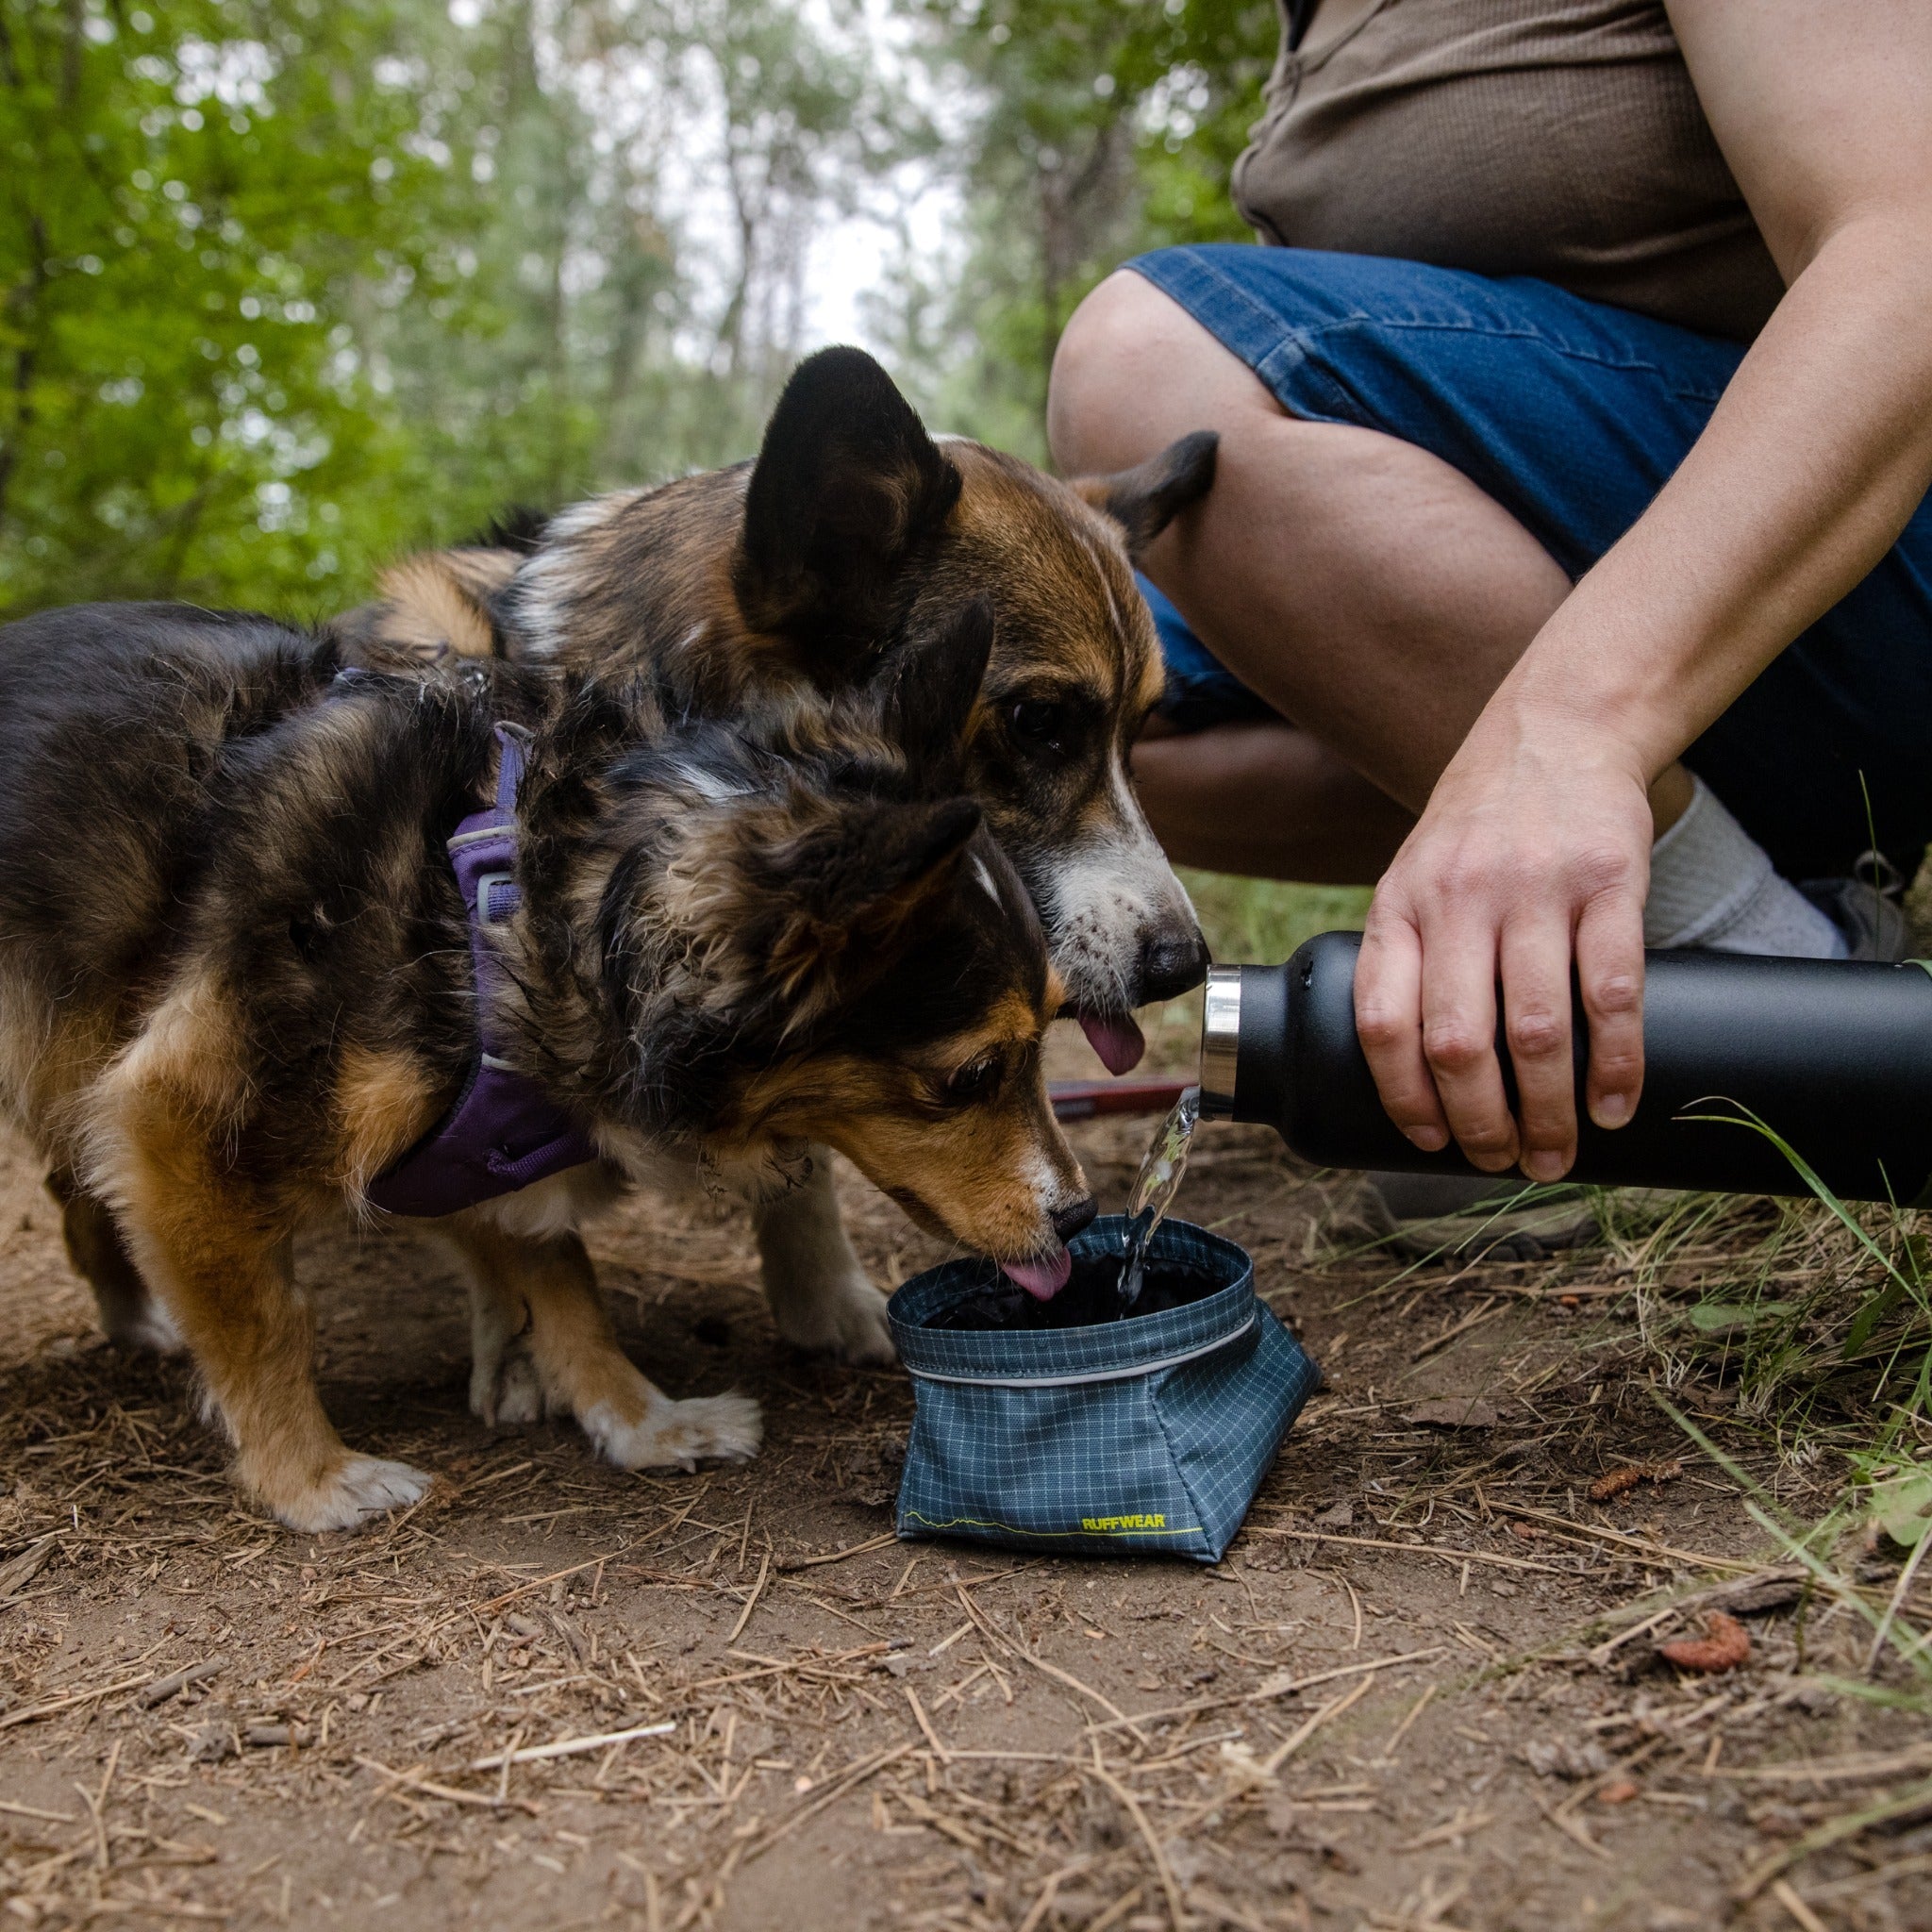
<point x="1172" y="966"/>
<point x="1070" y="1221"/>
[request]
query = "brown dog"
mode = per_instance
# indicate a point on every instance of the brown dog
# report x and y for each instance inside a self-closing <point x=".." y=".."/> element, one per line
<point x="854" y="536"/>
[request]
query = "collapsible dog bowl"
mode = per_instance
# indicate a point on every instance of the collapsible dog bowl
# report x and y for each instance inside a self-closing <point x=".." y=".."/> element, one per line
<point x="1144" y="1435"/>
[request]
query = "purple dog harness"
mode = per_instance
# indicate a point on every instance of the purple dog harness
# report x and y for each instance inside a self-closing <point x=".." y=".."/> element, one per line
<point x="504" y="1133"/>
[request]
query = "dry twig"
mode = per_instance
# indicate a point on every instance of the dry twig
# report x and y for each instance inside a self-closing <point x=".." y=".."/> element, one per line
<point x="570" y="1747"/>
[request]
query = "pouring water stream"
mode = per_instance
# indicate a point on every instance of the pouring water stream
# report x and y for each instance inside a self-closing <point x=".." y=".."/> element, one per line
<point x="1155" y="1187"/>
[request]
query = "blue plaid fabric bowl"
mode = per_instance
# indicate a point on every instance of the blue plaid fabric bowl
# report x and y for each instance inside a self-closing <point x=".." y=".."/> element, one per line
<point x="1145" y="1435"/>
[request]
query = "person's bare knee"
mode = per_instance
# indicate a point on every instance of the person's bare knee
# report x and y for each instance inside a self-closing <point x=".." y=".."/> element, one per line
<point x="1134" y="371"/>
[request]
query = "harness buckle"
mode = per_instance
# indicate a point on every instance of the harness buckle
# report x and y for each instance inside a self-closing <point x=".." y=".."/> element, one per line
<point x="485" y="882"/>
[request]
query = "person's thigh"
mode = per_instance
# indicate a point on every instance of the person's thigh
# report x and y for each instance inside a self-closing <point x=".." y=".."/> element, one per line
<point x="1570" y="416"/>
<point x="1337" y="571"/>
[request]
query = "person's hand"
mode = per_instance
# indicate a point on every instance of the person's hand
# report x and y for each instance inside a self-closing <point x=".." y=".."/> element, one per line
<point x="1534" y="852"/>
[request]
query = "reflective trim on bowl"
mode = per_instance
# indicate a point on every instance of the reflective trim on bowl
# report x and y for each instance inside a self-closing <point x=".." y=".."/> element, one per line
<point x="1172" y="1361"/>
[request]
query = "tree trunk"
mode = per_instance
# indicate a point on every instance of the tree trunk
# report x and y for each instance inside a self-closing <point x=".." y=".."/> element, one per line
<point x="23" y="303"/>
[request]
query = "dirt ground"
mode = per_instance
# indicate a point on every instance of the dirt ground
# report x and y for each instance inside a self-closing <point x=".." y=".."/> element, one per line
<point x="1422" y="1691"/>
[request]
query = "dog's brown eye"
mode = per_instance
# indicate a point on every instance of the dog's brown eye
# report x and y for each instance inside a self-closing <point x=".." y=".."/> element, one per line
<point x="976" y="1081"/>
<point x="1038" y="723"/>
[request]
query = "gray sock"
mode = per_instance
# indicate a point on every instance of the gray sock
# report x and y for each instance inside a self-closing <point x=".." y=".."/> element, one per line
<point x="1712" y="886"/>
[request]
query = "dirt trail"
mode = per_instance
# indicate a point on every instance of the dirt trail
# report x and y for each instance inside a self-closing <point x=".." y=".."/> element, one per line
<point x="1324" y="1730"/>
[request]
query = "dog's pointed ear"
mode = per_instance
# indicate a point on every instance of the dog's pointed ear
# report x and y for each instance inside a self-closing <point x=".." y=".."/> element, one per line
<point x="932" y="688"/>
<point x="913" y="852"/>
<point x="1148" y="498"/>
<point x="846" y="483"/>
<point x="852" y="893"/>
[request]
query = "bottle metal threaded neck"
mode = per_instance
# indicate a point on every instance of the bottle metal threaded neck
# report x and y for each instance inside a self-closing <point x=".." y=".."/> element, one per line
<point x="1220" y="1038"/>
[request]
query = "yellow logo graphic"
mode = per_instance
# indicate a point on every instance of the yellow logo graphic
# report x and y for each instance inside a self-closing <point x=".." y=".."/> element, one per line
<point x="1107" y="1523"/>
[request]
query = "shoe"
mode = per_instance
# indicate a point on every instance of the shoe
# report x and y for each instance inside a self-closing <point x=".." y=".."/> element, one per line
<point x="1865" y="908"/>
<point x="1460" y="1218"/>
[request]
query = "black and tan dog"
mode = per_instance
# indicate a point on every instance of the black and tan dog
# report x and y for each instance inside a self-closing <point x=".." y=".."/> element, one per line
<point x="854" y="537"/>
<point x="234" y="983"/>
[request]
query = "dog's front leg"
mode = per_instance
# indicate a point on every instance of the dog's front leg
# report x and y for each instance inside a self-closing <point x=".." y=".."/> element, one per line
<point x="575" y="1358"/>
<point x="822" y="1298"/>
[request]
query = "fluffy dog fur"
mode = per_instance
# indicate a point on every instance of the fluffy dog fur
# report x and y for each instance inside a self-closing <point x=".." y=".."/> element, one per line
<point x="854" y="536"/>
<point x="235" y="986"/>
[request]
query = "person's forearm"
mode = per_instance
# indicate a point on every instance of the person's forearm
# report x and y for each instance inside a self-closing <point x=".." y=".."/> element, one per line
<point x="1816" y="456"/>
<point x="1528" y="871"/>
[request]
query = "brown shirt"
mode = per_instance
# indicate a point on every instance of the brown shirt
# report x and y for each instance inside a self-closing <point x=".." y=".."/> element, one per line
<point x="1553" y="138"/>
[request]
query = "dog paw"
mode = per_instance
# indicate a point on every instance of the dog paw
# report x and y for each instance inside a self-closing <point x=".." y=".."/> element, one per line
<point x="842" y="1317"/>
<point x="506" y="1393"/>
<point x="363" y="1486"/>
<point x="680" y="1434"/>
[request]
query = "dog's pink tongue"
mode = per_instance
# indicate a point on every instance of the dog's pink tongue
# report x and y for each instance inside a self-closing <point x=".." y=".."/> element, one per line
<point x="1041" y="1279"/>
<point x="1116" y="1040"/>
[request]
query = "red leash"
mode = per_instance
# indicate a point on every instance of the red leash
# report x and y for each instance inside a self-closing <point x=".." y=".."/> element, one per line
<point x="1082" y="1100"/>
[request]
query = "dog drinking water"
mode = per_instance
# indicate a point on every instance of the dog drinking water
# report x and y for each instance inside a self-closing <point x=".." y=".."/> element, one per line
<point x="237" y="988"/>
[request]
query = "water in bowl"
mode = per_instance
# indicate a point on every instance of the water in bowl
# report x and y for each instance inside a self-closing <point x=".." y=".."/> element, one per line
<point x="1092" y="1294"/>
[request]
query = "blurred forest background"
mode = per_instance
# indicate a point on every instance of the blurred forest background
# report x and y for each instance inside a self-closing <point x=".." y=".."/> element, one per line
<point x="289" y="285"/>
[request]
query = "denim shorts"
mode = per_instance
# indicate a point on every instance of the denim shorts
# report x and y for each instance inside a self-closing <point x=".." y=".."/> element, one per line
<point x="1573" y="415"/>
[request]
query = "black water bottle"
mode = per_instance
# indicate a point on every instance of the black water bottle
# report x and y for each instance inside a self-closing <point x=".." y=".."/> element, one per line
<point x="1833" y="1056"/>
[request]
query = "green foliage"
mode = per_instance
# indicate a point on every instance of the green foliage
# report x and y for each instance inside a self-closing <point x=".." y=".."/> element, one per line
<point x="1109" y="127"/>
<point x="1816" y="1313"/>
<point x="1262" y="921"/>
<point x="1209" y="98"/>
<point x="289" y="285"/>
<point x="1898" y="1497"/>
<point x="188" y="204"/>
